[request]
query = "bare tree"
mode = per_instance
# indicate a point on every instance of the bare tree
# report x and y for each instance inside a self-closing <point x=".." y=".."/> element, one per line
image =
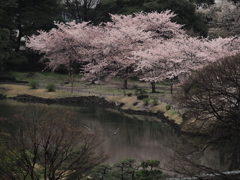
<point x="212" y="94"/>
<point x="211" y="103"/>
<point x="43" y="144"/>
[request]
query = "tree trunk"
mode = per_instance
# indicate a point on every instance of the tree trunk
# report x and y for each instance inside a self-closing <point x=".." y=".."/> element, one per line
<point x="71" y="77"/>
<point x="125" y="83"/>
<point x="72" y="87"/>
<point x="17" y="48"/>
<point x="171" y="88"/>
<point x="153" y="87"/>
<point x="71" y="80"/>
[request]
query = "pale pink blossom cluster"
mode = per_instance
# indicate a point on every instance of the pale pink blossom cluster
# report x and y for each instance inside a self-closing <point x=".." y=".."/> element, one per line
<point x="147" y="45"/>
<point x="182" y="55"/>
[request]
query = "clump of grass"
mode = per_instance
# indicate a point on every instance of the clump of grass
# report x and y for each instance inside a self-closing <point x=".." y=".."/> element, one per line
<point x="34" y="84"/>
<point x="154" y="101"/>
<point x="146" y="101"/>
<point x="174" y="115"/>
<point x="51" y="87"/>
<point x="168" y="106"/>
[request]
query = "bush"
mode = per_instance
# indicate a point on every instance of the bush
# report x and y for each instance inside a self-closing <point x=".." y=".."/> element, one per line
<point x="168" y="106"/>
<point x="155" y="101"/>
<point x="140" y="97"/>
<point x="34" y="84"/>
<point x="51" y="87"/>
<point x="138" y="90"/>
<point x="146" y="101"/>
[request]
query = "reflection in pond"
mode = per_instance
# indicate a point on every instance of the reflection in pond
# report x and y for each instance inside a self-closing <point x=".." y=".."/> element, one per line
<point x="135" y="138"/>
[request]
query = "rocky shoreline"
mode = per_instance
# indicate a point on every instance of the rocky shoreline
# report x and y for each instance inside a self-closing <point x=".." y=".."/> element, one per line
<point x="92" y="100"/>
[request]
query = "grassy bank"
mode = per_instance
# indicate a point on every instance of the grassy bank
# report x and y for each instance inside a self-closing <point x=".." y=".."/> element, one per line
<point x="111" y="90"/>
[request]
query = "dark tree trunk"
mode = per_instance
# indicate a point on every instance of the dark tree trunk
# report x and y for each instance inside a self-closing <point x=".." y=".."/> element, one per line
<point x="171" y="86"/>
<point x="17" y="48"/>
<point x="153" y="87"/>
<point x="125" y="83"/>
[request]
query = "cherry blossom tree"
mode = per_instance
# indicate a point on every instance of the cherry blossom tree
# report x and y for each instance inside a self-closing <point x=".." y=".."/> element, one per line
<point x="107" y="48"/>
<point x="115" y="59"/>
<point x="128" y="33"/>
<point x="66" y="45"/>
<point x="181" y="55"/>
<point x="154" y="64"/>
<point x="168" y="59"/>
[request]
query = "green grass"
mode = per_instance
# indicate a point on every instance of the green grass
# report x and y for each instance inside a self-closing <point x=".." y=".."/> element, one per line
<point x="12" y="90"/>
<point x="111" y="87"/>
<point x="173" y="114"/>
<point x="107" y="89"/>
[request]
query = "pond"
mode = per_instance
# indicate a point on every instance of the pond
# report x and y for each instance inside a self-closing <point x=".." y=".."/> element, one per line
<point x="138" y="137"/>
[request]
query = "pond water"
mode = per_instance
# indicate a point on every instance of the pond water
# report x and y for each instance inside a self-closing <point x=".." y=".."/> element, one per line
<point x="140" y="138"/>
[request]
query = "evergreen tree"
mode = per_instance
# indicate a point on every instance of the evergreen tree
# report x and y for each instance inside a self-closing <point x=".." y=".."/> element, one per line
<point x="23" y="18"/>
<point x="4" y="40"/>
<point x="6" y="25"/>
<point x="184" y="9"/>
<point x="80" y="10"/>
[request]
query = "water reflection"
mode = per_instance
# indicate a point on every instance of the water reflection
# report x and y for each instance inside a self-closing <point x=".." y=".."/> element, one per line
<point x="140" y="139"/>
<point x="137" y="139"/>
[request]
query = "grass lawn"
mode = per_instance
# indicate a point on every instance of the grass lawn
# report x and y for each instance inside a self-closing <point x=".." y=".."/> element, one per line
<point x="12" y="90"/>
<point x="111" y="90"/>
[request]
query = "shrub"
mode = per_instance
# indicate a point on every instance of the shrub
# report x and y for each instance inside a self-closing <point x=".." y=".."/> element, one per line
<point x="146" y="101"/>
<point x="168" y="106"/>
<point x="140" y="97"/>
<point x="51" y="87"/>
<point x="138" y="90"/>
<point x="129" y="94"/>
<point x="34" y="84"/>
<point x="155" y="101"/>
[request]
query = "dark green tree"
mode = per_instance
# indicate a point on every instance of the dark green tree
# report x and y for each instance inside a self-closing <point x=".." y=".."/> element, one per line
<point x="6" y="25"/>
<point x="101" y="172"/>
<point x="4" y="40"/>
<point x="184" y="9"/>
<point x="116" y="7"/>
<point x="80" y="10"/>
<point x="23" y="18"/>
<point x="149" y="170"/>
<point x="186" y="15"/>
<point x="127" y="169"/>
<point x="35" y="15"/>
<point x="124" y="169"/>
